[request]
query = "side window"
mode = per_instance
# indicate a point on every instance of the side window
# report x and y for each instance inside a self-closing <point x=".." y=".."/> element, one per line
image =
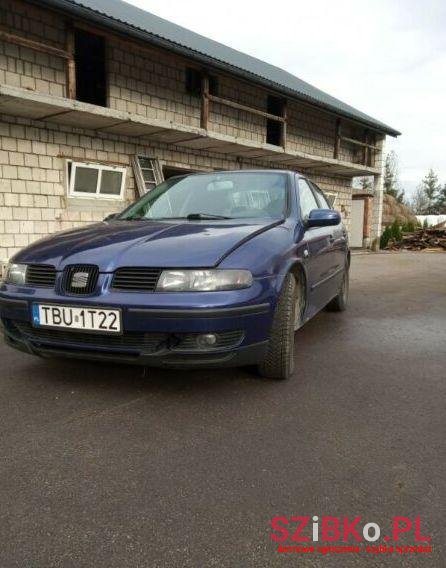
<point x="306" y="197"/>
<point x="320" y="197"/>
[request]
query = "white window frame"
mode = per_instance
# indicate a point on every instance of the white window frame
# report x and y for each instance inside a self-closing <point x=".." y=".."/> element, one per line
<point x="100" y="168"/>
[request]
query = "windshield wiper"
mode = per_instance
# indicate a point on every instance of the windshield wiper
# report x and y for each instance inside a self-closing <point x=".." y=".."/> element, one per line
<point x="200" y="216"/>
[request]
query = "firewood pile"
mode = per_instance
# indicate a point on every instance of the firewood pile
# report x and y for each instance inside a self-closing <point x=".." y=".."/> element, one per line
<point x="421" y="239"/>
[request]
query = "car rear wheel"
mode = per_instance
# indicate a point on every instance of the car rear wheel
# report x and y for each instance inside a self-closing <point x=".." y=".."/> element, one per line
<point x="339" y="302"/>
<point x="279" y="360"/>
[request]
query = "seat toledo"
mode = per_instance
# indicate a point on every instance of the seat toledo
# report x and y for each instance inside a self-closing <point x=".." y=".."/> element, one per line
<point x="205" y="270"/>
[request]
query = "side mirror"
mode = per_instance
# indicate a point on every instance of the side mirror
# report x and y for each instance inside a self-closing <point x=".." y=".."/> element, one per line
<point x="323" y="218"/>
<point x="110" y="217"/>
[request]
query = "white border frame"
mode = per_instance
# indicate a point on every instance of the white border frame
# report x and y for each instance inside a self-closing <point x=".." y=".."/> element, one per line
<point x="95" y="166"/>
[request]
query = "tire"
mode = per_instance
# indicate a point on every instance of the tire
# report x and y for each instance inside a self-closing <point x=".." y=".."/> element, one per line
<point x="279" y="360"/>
<point x="339" y="302"/>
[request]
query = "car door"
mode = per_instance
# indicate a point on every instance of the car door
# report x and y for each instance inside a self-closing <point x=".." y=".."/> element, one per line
<point x="319" y="257"/>
<point x="338" y="237"/>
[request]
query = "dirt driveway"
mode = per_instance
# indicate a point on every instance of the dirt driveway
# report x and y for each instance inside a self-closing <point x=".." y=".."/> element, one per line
<point x="102" y="466"/>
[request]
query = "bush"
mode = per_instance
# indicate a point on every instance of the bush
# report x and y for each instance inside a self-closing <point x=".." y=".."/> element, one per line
<point x="385" y="237"/>
<point x="395" y="229"/>
<point x="408" y="227"/>
<point x="393" y="232"/>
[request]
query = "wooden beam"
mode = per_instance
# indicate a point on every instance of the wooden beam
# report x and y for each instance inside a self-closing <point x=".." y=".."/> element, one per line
<point x="359" y="143"/>
<point x="337" y="143"/>
<point x="204" y="101"/>
<point x="245" y="108"/>
<point x="283" y="133"/>
<point x="365" y="149"/>
<point x="71" y="63"/>
<point x="34" y="45"/>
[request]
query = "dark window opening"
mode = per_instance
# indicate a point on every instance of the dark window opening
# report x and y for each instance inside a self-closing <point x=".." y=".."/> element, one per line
<point x="169" y="172"/>
<point x="194" y="82"/>
<point x="274" y="129"/>
<point x="90" y="68"/>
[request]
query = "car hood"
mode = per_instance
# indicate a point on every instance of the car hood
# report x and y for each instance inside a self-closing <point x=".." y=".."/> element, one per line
<point x="144" y="243"/>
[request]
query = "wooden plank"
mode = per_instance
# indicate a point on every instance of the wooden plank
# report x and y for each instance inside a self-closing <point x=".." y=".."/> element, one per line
<point x="284" y="125"/>
<point x="34" y="45"/>
<point x="204" y="120"/>
<point x="358" y="143"/>
<point x="245" y="108"/>
<point x="337" y="143"/>
<point x="365" y="149"/>
<point x="71" y="63"/>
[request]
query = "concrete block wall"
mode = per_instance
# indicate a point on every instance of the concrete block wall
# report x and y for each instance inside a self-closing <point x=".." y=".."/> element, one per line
<point x="342" y="188"/>
<point x="26" y="68"/>
<point x="376" y="225"/>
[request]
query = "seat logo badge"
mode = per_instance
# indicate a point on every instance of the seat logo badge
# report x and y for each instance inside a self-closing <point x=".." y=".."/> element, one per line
<point x="79" y="279"/>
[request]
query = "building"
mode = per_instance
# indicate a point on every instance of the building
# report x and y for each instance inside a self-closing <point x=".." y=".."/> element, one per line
<point x="101" y="100"/>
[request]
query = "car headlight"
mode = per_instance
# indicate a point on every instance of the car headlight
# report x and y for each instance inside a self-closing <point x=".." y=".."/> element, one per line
<point x="15" y="273"/>
<point x="203" y="280"/>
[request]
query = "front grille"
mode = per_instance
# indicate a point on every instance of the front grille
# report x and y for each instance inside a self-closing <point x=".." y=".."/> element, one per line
<point x="80" y="279"/>
<point x="130" y="340"/>
<point x="137" y="279"/>
<point x="41" y="275"/>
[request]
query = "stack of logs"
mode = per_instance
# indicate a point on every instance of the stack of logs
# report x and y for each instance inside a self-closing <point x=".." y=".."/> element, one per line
<point x="421" y="239"/>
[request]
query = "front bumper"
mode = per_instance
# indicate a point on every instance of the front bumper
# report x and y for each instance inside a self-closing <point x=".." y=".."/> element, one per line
<point x="154" y="335"/>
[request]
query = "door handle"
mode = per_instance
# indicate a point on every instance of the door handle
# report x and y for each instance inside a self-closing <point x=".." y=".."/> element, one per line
<point x="331" y="239"/>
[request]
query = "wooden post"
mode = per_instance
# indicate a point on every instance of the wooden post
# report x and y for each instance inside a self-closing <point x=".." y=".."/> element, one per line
<point x="373" y="153"/>
<point x="204" y="102"/>
<point x="283" y="130"/>
<point x="337" y="143"/>
<point x="71" y="63"/>
<point x="365" y="149"/>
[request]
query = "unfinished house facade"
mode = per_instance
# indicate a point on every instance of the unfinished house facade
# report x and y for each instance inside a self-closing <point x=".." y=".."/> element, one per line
<point x="96" y="108"/>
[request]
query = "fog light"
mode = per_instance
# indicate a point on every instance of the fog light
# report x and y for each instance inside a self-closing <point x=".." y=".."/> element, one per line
<point x="206" y="340"/>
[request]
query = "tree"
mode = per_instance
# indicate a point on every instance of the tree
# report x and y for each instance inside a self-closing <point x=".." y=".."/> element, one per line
<point x="419" y="202"/>
<point x="430" y="197"/>
<point x="391" y="182"/>
<point x="364" y="184"/>
<point x="440" y="201"/>
<point x="431" y="189"/>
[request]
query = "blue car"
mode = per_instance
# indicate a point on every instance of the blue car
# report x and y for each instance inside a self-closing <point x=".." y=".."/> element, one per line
<point x="206" y="270"/>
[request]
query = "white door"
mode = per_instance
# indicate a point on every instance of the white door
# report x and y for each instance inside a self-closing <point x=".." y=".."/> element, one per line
<point x="357" y="227"/>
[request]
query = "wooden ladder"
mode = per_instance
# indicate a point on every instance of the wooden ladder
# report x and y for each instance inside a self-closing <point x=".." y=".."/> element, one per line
<point x="148" y="173"/>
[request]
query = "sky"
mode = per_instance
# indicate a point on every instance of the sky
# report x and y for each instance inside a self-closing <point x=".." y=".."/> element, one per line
<point x="385" y="57"/>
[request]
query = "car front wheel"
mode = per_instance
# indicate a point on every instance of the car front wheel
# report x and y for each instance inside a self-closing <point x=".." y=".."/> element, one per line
<point x="279" y="359"/>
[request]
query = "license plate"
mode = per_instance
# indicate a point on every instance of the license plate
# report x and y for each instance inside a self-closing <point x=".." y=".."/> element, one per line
<point x="77" y="318"/>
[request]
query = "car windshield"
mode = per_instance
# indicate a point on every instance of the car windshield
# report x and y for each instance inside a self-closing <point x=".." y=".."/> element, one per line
<point x="222" y="195"/>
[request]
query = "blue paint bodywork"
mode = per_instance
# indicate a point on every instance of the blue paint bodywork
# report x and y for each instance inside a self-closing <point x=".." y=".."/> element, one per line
<point x="268" y="248"/>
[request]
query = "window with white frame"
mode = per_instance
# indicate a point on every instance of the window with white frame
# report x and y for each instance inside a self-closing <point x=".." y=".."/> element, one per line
<point x="91" y="180"/>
